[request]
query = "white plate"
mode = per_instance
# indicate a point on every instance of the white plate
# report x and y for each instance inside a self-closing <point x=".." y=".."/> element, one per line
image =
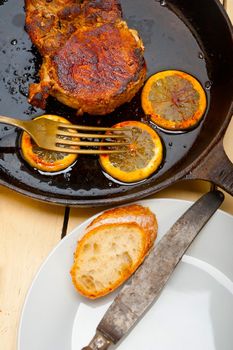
<point x="194" y="311"/>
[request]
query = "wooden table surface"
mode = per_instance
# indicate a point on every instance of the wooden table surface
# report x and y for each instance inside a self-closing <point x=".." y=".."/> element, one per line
<point x="30" y="229"/>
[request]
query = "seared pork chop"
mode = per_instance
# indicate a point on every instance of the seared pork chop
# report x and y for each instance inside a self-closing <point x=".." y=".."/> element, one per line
<point x="92" y="61"/>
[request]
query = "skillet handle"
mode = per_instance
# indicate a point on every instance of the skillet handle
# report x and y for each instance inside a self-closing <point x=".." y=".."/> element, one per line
<point x="216" y="167"/>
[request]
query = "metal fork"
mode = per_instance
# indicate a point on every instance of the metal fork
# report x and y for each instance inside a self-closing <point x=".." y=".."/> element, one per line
<point x="61" y="137"/>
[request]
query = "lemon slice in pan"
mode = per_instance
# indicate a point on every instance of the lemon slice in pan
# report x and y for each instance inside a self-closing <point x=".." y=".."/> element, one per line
<point x="42" y="159"/>
<point x="174" y="100"/>
<point x="142" y="157"/>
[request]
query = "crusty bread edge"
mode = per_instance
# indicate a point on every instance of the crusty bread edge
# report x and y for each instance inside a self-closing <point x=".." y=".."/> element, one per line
<point x="126" y="211"/>
<point x="125" y="275"/>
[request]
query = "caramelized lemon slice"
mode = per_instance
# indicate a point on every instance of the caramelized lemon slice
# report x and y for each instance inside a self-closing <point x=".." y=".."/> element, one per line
<point x="43" y="159"/>
<point x="141" y="158"/>
<point x="174" y="100"/>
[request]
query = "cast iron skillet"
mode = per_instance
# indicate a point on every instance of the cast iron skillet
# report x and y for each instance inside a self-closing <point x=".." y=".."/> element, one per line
<point x="193" y="36"/>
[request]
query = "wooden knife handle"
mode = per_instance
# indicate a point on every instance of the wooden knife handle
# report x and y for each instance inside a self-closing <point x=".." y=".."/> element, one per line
<point x="99" y="342"/>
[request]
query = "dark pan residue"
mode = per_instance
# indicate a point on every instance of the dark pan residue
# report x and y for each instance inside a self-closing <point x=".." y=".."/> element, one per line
<point x="169" y="44"/>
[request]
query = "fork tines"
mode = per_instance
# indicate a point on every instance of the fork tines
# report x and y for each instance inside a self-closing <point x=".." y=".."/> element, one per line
<point x="62" y="133"/>
<point x="66" y="137"/>
<point x="87" y="151"/>
<point x="91" y="128"/>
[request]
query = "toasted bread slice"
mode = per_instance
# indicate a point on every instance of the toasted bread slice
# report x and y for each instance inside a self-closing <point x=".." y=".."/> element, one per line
<point x="130" y="213"/>
<point x="106" y="256"/>
<point x="114" y="245"/>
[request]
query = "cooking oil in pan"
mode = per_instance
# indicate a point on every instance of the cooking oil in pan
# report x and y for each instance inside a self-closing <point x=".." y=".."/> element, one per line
<point x="169" y="44"/>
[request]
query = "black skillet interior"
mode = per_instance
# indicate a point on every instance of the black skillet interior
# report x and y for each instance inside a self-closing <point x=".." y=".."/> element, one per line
<point x="192" y="36"/>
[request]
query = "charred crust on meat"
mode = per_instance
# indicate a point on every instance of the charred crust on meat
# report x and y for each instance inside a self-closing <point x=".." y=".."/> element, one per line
<point x="92" y="61"/>
<point x="38" y="94"/>
<point x="69" y="12"/>
<point x="98" y="9"/>
<point x="82" y="64"/>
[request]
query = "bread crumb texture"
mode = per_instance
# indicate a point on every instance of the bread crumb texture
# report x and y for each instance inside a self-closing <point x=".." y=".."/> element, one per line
<point x="111" y="250"/>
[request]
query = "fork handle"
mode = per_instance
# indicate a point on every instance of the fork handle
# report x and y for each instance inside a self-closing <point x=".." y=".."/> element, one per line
<point x="12" y="121"/>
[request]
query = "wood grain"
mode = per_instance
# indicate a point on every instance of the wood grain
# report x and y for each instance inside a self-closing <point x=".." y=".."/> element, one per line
<point x="229" y="8"/>
<point x="29" y="230"/>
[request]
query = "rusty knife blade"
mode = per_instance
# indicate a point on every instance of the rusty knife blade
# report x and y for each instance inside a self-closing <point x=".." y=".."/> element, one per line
<point x="148" y="281"/>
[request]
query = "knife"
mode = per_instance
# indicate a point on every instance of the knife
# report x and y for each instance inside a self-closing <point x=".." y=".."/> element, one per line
<point x="148" y="281"/>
